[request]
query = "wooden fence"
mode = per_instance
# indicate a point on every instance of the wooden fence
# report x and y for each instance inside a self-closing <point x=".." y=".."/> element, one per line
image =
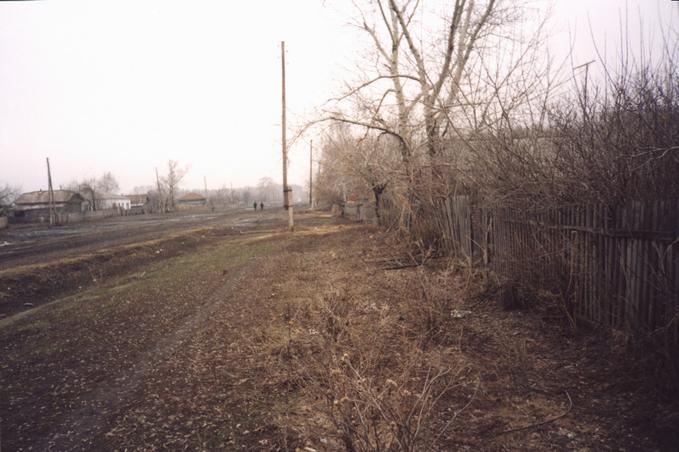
<point x="612" y="266"/>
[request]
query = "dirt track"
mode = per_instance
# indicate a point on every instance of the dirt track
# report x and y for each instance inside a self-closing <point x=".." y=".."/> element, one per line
<point x="189" y="351"/>
<point x="25" y="244"/>
<point x="40" y="265"/>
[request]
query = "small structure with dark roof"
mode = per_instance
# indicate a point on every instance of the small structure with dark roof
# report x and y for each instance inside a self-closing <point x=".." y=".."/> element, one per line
<point x="35" y="206"/>
<point x="139" y="203"/>
<point x="192" y="199"/>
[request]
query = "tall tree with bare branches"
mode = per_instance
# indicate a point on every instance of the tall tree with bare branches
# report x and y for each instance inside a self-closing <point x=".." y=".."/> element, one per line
<point x="174" y="176"/>
<point x="417" y="74"/>
<point x="8" y="194"/>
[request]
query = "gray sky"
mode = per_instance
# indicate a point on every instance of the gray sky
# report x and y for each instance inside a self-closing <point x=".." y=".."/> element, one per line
<point x="124" y="86"/>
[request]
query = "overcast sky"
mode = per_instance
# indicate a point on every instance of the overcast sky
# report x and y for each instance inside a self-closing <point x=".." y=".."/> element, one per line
<point x="124" y="86"/>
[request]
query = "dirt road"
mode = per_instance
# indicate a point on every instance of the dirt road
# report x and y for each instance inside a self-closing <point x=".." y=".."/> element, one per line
<point x="39" y="264"/>
<point x="25" y="244"/>
<point x="202" y="350"/>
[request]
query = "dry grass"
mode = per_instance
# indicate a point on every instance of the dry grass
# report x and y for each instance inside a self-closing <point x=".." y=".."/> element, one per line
<point x="356" y="361"/>
<point x="367" y="356"/>
<point x="282" y="341"/>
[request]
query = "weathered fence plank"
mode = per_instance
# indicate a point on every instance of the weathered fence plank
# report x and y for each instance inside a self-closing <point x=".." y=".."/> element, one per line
<point x="616" y="266"/>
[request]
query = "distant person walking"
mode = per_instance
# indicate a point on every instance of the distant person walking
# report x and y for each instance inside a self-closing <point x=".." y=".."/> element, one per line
<point x="261" y="206"/>
<point x="254" y="204"/>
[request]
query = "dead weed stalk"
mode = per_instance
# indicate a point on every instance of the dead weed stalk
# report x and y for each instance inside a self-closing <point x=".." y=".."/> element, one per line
<point x="358" y="365"/>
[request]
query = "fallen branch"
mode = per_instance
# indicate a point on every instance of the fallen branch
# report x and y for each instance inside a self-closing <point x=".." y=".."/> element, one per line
<point x="400" y="267"/>
<point x="540" y="424"/>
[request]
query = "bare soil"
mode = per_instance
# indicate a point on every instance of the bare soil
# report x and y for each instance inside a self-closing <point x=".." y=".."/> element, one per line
<point x="42" y="264"/>
<point x="25" y="244"/>
<point x="173" y="351"/>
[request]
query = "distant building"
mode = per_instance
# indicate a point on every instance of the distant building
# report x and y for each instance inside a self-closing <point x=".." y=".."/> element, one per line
<point x="35" y="206"/>
<point x="139" y="203"/>
<point x="112" y="201"/>
<point x="192" y="199"/>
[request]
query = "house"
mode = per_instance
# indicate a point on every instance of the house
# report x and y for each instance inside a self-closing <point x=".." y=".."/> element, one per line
<point x="192" y="199"/>
<point x="35" y="206"/>
<point x="107" y="201"/>
<point x="139" y="203"/>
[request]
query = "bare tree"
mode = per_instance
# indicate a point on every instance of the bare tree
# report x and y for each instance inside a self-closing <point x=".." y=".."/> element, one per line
<point x="221" y="196"/>
<point x="365" y="164"/>
<point x="107" y="183"/>
<point x="267" y="190"/>
<point x="143" y="189"/>
<point x="87" y="188"/>
<point x="91" y="188"/>
<point x="246" y="195"/>
<point x="8" y="194"/>
<point x="605" y="134"/>
<point x="173" y="179"/>
<point x="422" y="70"/>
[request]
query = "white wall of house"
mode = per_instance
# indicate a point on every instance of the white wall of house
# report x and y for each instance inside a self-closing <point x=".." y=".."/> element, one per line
<point x="114" y="203"/>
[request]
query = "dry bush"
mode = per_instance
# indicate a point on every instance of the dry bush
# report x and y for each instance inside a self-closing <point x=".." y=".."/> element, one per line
<point x="424" y="232"/>
<point x="430" y="320"/>
<point x="355" y="361"/>
<point x="620" y="145"/>
<point x="608" y="142"/>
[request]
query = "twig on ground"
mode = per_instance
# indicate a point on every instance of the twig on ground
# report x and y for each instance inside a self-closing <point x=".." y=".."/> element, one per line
<point x="539" y="424"/>
<point x="457" y="413"/>
<point x="400" y="267"/>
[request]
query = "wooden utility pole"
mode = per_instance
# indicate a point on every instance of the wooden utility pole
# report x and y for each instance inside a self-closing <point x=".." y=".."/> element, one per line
<point x="50" y="195"/>
<point x="311" y="164"/>
<point x="287" y="191"/>
<point x="205" y="185"/>
<point x="160" y="193"/>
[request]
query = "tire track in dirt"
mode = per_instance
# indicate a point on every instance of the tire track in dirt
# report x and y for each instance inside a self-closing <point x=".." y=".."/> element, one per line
<point x="60" y="366"/>
<point x="110" y="398"/>
<point x="208" y="375"/>
<point x="80" y="238"/>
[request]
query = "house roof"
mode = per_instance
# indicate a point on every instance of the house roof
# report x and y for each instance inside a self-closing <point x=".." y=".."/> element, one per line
<point x="138" y="199"/>
<point x="192" y="197"/>
<point x="101" y="196"/>
<point x="42" y="197"/>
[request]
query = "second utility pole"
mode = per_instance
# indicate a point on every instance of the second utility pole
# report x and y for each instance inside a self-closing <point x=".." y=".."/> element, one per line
<point x="50" y="196"/>
<point x="286" y="190"/>
<point x="161" y="208"/>
<point x="311" y="164"/>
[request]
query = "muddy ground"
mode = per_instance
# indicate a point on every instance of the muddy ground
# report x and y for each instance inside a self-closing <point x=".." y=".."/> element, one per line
<point x="200" y="348"/>
<point x="39" y="264"/>
<point x="23" y="244"/>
